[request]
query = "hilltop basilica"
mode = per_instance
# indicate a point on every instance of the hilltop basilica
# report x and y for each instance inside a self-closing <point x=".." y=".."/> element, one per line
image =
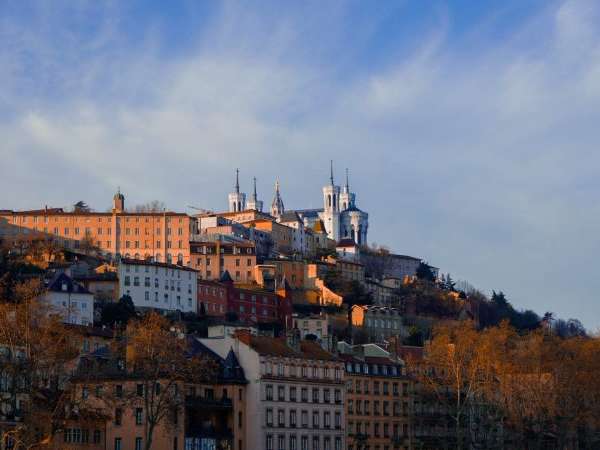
<point x="340" y="216"/>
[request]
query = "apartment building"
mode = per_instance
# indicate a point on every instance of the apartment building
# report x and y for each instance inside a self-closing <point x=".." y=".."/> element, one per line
<point x="250" y="303"/>
<point x="69" y="299"/>
<point x="379" y="399"/>
<point x="212" y="259"/>
<point x="161" y="286"/>
<point x="296" y="398"/>
<point x="210" y="415"/>
<point x="379" y="322"/>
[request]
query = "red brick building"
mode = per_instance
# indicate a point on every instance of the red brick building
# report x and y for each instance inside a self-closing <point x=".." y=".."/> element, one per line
<point x="251" y="304"/>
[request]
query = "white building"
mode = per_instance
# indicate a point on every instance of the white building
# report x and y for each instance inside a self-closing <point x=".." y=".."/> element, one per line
<point x="70" y="300"/>
<point x="295" y="395"/>
<point x="161" y="286"/>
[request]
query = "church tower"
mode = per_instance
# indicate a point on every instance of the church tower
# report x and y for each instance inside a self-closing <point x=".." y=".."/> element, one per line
<point x="347" y="198"/>
<point x="254" y="202"/>
<point x="331" y="207"/>
<point x="118" y="202"/>
<point x="237" y="199"/>
<point x="277" y="208"/>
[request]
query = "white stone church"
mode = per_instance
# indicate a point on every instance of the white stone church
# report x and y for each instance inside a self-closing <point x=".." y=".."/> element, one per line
<point x="340" y="216"/>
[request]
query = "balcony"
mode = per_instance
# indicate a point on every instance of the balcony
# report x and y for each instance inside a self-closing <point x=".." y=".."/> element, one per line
<point x="198" y="402"/>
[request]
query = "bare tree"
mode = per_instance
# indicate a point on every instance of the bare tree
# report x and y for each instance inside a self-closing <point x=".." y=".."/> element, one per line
<point x="159" y="361"/>
<point x="152" y="206"/>
<point x="37" y="352"/>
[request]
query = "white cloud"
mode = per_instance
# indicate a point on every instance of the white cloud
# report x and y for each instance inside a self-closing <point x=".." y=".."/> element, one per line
<point x="485" y="164"/>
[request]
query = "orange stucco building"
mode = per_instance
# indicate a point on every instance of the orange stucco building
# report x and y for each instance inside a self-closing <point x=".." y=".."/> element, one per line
<point x="163" y="236"/>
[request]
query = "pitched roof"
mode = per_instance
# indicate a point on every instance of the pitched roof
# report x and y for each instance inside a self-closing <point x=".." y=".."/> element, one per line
<point x="319" y="226"/>
<point x="56" y="284"/>
<point x="279" y="347"/>
<point x="225" y="277"/>
<point x="290" y="216"/>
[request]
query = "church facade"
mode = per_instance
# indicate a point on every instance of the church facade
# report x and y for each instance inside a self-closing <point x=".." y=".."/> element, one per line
<point x="340" y="216"/>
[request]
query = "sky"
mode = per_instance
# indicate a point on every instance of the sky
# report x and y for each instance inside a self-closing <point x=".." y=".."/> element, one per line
<point x="470" y="129"/>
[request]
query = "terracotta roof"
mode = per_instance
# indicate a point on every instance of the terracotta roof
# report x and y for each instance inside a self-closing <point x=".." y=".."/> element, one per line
<point x="279" y="347"/>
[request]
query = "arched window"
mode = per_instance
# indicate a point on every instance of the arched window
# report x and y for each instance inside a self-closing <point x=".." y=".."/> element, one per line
<point x="169" y="258"/>
<point x="158" y="256"/>
<point x="329" y="200"/>
<point x="180" y="259"/>
<point x="137" y="256"/>
<point x="352" y="232"/>
<point x="334" y="201"/>
<point x="239" y="208"/>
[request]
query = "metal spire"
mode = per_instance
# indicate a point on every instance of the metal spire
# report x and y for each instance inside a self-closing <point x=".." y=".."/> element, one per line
<point x="331" y="173"/>
<point x="255" y="196"/>
<point x="347" y="183"/>
<point x="237" y="181"/>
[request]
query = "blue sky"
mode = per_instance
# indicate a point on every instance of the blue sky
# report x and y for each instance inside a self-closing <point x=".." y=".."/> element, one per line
<point x="469" y="128"/>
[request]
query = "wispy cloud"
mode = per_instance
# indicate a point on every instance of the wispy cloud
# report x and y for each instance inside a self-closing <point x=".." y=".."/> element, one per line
<point x="480" y="157"/>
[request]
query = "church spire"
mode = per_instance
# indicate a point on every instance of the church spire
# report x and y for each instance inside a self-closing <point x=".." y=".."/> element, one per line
<point x="237" y="181"/>
<point x="277" y="208"/>
<point x="347" y="182"/>
<point x="331" y="172"/>
<point x="254" y="196"/>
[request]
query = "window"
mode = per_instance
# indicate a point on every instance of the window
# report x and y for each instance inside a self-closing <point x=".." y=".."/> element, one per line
<point x="293" y="418"/>
<point x="315" y="395"/>
<point x="118" y="443"/>
<point x="304" y="443"/>
<point x="326" y="396"/>
<point x="316" y="442"/>
<point x="138" y="416"/>
<point x="269" y="417"/>
<point x="138" y="443"/>
<point x="97" y="437"/>
<point x="269" y="392"/>
<point x="304" y="419"/>
<point x="118" y="416"/>
<point x="269" y="442"/>
<point x="292" y="393"/>
<point x="139" y="389"/>
<point x="293" y="444"/>
<point x="281" y="442"/>
<point x="127" y="280"/>
<point x="119" y="391"/>
<point x="304" y="394"/>
<point x="281" y="418"/>
<point x="338" y="420"/>
<point x="315" y="419"/>
<point x="338" y="396"/>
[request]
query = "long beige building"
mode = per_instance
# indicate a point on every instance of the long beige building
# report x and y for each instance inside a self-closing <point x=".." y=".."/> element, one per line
<point x="162" y="236"/>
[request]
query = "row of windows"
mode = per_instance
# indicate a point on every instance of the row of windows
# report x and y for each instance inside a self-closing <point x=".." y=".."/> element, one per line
<point x="364" y="386"/>
<point x="373" y="369"/>
<point x="175" y="284"/>
<point x="293" y="442"/>
<point x="136" y="244"/>
<point x="292" y="421"/>
<point x="138" y="443"/>
<point x="157" y="270"/>
<point x="397" y="430"/>
<point x="165" y="297"/>
<point x="81" y="436"/>
<point x="291" y="370"/>
<point x="293" y="397"/>
<point x="384" y="410"/>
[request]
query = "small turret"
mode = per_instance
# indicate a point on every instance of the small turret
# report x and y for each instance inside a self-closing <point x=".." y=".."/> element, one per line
<point x="118" y="202"/>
